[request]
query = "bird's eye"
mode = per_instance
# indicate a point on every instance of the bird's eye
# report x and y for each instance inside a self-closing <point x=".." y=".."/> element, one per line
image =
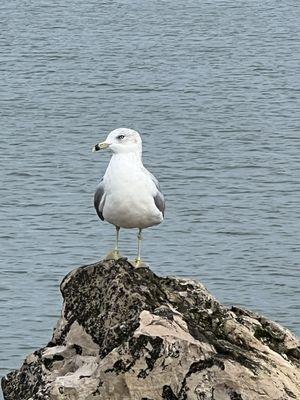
<point x="120" y="137"/>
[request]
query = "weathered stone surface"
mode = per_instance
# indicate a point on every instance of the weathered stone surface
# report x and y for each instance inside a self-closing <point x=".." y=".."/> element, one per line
<point x="127" y="334"/>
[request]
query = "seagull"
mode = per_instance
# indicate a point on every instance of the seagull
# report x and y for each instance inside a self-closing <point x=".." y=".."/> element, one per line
<point x="128" y="196"/>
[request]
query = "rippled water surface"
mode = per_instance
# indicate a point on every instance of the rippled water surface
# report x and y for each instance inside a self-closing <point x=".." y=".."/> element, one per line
<point x="213" y="86"/>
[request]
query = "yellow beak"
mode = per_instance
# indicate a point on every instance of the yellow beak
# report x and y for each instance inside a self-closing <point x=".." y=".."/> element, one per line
<point x="100" y="146"/>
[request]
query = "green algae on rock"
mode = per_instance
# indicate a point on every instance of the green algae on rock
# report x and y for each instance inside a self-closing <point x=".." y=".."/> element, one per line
<point x="125" y="333"/>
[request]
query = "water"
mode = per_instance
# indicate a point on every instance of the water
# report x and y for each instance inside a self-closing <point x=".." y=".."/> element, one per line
<point x="213" y="87"/>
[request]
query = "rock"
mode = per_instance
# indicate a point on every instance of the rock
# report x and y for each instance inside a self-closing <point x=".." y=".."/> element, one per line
<point x="126" y="333"/>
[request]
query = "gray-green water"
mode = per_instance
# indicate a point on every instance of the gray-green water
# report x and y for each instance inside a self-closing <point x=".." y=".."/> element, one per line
<point x="213" y="86"/>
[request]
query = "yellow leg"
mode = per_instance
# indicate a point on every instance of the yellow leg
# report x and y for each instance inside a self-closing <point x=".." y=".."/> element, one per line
<point x="115" y="253"/>
<point x="116" y="249"/>
<point x="138" y="259"/>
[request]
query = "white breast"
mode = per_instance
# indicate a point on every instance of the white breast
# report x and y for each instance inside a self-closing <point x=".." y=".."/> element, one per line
<point x="129" y="194"/>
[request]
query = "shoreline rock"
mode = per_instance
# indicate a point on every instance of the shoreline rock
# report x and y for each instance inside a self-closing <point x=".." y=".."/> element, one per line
<point x="126" y="333"/>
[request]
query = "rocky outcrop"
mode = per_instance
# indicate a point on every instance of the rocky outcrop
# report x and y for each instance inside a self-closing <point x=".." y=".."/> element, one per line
<point x="126" y="333"/>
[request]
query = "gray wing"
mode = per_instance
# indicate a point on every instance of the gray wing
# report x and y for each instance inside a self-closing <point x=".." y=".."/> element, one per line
<point x="99" y="198"/>
<point x="159" y="199"/>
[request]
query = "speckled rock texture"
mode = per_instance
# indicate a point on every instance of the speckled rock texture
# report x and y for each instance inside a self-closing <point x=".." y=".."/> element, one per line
<point x="126" y="333"/>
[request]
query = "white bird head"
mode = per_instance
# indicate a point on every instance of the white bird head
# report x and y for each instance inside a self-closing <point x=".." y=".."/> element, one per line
<point x="121" y="140"/>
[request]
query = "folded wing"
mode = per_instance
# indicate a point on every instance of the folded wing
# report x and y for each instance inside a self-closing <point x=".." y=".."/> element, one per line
<point x="99" y="199"/>
<point x="159" y="199"/>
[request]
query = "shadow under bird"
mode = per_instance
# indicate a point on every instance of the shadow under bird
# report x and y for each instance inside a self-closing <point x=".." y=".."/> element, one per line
<point x="128" y="196"/>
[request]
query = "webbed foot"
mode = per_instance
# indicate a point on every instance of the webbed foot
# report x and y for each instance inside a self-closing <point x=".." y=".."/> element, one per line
<point x="139" y="264"/>
<point x="113" y="255"/>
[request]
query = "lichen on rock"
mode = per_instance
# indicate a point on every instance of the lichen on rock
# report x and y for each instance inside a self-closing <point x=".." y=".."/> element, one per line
<point x="125" y="333"/>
